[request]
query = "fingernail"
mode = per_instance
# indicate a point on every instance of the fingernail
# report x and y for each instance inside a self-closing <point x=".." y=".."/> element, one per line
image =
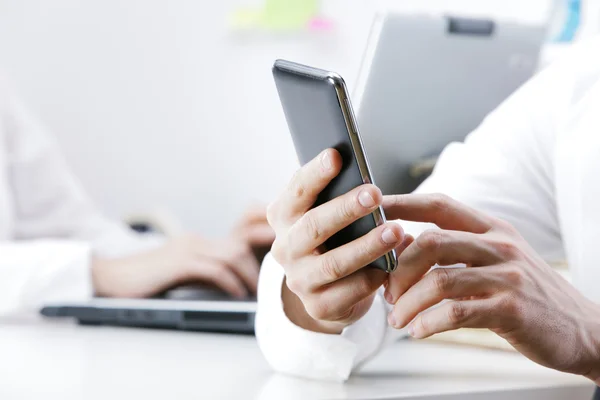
<point x="392" y="320"/>
<point x="411" y="330"/>
<point x="389" y="237"/>
<point x="326" y="161"/>
<point x="365" y="199"/>
<point x="388" y="297"/>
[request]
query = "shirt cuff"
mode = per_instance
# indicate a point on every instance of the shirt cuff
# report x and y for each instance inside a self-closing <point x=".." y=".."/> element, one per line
<point x="292" y="350"/>
<point x="49" y="272"/>
<point x="368" y="333"/>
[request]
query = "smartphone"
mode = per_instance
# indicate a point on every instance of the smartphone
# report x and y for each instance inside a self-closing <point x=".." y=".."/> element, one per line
<point x="319" y="115"/>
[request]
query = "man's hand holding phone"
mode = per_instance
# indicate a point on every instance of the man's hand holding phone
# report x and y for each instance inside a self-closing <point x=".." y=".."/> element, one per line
<point x="326" y="291"/>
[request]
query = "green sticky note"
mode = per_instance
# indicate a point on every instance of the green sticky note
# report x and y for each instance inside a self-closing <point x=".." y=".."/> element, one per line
<point x="289" y="13"/>
<point x="279" y="15"/>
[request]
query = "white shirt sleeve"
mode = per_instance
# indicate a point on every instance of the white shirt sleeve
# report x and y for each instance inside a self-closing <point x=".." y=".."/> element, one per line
<point x="47" y="202"/>
<point x="504" y="168"/>
<point x="34" y="273"/>
<point x="296" y="351"/>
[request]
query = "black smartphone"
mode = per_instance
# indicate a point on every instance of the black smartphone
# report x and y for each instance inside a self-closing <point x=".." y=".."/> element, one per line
<point x="319" y="115"/>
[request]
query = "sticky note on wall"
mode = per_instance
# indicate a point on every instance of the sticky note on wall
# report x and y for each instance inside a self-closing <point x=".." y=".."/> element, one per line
<point x="278" y="15"/>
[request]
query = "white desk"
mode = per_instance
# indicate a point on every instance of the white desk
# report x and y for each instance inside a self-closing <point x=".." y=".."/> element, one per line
<point x="71" y="362"/>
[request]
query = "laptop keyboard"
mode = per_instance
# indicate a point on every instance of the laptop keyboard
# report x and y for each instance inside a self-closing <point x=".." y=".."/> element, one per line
<point x="202" y="294"/>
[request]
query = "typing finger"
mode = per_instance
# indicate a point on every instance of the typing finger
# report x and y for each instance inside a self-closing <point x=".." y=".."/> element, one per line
<point x="437" y="247"/>
<point x="219" y="275"/>
<point x="453" y="315"/>
<point x="438" y="209"/>
<point x="438" y="285"/>
<point x="259" y="235"/>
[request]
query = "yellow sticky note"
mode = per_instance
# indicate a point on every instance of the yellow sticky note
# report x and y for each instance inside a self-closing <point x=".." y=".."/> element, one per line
<point x="278" y="15"/>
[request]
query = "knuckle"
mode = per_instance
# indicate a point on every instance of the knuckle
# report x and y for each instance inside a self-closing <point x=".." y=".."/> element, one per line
<point x="441" y="280"/>
<point x="514" y="276"/>
<point x="457" y="313"/>
<point x="296" y="186"/>
<point x="422" y="324"/>
<point x="298" y="190"/>
<point x="295" y="285"/>
<point x="319" y="310"/>
<point x="506" y="249"/>
<point x="311" y="227"/>
<point x="303" y="284"/>
<point x="505" y="226"/>
<point x="331" y="268"/>
<point x="347" y="210"/>
<point x="367" y="249"/>
<point x="396" y="200"/>
<point x="279" y="253"/>
<point x="430" y="240"/>
<point x="440" y="203"/>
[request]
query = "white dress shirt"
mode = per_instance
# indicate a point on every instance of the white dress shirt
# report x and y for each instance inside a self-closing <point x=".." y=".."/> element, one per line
<point x="534" y="162"/>
<point x="49" y="229"/>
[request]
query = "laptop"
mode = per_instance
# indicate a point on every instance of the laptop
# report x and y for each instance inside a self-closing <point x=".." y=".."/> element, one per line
<point x="425" y="81"/>
<point x="429" y="80"/>
<point x="184" y="308"/>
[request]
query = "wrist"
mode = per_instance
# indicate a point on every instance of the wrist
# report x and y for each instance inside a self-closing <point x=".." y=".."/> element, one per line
<point x="101" y="277"/>
<point x="296" y="312"/>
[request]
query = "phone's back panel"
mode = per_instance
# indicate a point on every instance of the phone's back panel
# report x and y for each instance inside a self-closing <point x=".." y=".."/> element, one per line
<point x="314" y="115"/>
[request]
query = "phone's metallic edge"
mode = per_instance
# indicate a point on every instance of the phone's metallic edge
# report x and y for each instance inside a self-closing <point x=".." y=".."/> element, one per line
<point x="363" y="164"/>
<point x="351" y="125"/>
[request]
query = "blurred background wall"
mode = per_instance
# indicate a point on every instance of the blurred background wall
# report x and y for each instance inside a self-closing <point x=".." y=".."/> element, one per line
<point x="162" y="105"/>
